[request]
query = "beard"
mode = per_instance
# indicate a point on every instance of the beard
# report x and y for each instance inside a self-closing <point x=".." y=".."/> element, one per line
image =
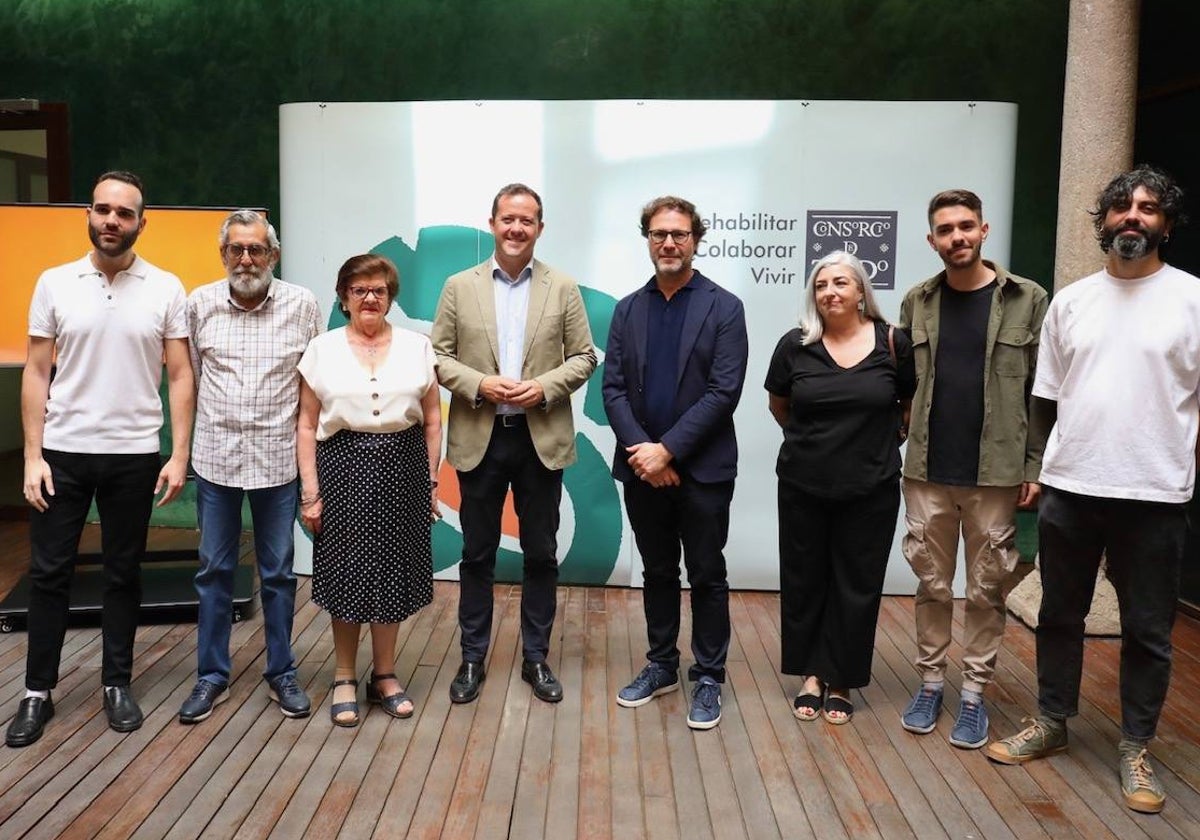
<point x="1130" y="247"/>
<point x="685" y="263"/>
<point x="963" y="257"/>
<point x="250" y="284"/>
<point x="122" y="246"/>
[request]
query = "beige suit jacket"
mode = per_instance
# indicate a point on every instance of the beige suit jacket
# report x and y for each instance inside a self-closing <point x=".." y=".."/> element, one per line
<point x="558" y="353"/>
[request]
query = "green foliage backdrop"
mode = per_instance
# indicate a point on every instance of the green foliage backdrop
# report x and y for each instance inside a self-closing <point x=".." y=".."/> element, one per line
<point x="186" y="92"/>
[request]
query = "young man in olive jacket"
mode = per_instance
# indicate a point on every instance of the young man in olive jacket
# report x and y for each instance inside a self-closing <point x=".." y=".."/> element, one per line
<point x="972" y="459"/>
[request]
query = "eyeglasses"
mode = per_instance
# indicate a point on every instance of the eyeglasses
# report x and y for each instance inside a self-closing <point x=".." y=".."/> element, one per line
<point x="360" y="292"/>
<point x="658" y="237"/>
<point x="234" y="251"/>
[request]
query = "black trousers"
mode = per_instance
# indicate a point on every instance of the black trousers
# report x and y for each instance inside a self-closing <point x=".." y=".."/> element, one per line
<point x="123" y="487"/>
<point x="833" y="555"/>
<point x="1143" y="542"/>
<point x="510" y="460"/>
<point x="693" y="520"/>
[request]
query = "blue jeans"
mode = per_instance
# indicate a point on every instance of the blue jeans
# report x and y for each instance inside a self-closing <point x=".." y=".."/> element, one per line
<point x="219" y="511"/>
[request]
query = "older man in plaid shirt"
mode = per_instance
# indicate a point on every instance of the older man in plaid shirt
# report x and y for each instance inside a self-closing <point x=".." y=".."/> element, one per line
<point x="247" y="334"/>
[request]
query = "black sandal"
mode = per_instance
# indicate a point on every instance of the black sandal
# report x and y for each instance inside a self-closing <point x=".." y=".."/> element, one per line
<point x="392" y="703"/>
<point x="838" y="704"/>
<point x="336" y="709"/>
<point x="811" y="702"/>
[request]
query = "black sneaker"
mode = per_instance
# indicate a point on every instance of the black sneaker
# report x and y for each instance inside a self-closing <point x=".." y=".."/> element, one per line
<point x="201" y="702"/>
<point x="292" y="700"/>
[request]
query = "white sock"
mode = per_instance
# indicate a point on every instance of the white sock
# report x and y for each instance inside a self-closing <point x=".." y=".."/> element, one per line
<point x="41" y="695"/>
<point x="973" y="697"/>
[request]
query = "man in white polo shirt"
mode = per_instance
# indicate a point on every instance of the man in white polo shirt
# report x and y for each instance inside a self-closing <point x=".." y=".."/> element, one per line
<point x="103" y="325"/>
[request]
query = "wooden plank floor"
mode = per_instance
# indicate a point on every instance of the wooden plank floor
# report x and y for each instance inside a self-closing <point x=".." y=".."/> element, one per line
<point x="509" y="766"/>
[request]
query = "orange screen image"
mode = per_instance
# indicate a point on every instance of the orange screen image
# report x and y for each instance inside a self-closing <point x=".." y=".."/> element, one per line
<point x="181" y="240"/>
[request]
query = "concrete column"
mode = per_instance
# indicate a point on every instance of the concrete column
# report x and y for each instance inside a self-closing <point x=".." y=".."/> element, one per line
<point x="1099" y="108"/>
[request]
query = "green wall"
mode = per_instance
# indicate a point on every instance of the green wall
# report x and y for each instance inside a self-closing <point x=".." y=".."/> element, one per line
<point x="186" y="92"/>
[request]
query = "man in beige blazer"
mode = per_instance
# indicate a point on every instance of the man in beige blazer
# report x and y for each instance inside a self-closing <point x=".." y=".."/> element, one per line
<point x="512" y="343"/>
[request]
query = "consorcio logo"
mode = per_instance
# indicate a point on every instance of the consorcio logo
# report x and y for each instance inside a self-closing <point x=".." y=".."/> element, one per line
<point x="589" y="487"/>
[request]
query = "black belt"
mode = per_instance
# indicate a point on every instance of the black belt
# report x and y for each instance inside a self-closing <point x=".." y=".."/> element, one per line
<point x="510" y="421"/>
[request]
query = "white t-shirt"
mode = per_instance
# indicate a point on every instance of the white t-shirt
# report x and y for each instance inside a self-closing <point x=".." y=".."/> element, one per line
<point x="1122" y="360"/>
<point x="109" y="340"/>
<point x="351" y="398"/>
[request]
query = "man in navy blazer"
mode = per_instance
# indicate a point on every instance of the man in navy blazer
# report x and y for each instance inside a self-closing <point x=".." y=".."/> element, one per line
<point x="674" y="368"/>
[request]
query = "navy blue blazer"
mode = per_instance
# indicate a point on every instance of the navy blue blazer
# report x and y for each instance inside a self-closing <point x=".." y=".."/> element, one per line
<point x="712" y="368"/>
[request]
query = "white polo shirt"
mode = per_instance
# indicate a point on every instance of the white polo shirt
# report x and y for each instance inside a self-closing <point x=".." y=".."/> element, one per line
<point x="109" y="342"/>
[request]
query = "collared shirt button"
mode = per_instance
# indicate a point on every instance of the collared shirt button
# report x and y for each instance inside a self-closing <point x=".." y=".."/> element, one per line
<point x="375" y="396"/>
<point x="376" y="412"/>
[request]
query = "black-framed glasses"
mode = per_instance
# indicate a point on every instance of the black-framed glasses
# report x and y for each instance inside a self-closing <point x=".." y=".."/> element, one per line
<point x="361" y="292"/>
<point x="234" y="251"/>
<point x="679" y="237"/>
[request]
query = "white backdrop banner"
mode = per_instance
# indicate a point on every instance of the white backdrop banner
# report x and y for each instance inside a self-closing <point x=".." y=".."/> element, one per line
<point x="778" y="183"/>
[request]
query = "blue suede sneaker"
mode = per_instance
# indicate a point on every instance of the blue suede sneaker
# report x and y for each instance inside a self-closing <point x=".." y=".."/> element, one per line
<point x="971" y="728"/>
<point x="706" y="704"/>
<point x="651" y="682"/>
<point x="922" y="713"/>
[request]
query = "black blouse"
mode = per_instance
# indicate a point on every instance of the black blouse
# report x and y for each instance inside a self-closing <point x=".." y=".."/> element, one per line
<point x="840" y="439"/>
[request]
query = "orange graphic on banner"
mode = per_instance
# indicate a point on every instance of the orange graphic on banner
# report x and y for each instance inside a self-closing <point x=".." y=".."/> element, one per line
<point x="182" y="240"/>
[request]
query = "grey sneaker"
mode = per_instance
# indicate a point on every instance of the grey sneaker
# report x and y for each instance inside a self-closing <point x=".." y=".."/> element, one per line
<point x="1034" y="741"/>
<point x="706" y="704"/>
<point x="292" y="700"/>
<point x="922" y="712"/>
<point x="971" y="729"/>
<point x="1142" y="789"/>
<point x="200" y="703"/>
<point x="651" y="682"/>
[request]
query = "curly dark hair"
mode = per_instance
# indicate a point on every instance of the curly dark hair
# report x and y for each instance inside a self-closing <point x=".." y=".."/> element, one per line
<point x="1121" y="189"/>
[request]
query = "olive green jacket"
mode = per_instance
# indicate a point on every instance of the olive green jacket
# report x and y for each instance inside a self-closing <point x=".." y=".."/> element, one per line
<point x="1009" y="451"/>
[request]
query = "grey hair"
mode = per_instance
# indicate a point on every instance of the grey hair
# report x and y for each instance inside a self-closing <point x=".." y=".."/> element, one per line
<point x="248" y="218"/>
<point x="810" y="316"/>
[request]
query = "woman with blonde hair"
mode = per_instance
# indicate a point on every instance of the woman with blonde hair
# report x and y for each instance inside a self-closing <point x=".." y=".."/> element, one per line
<point x="836" y="386"/>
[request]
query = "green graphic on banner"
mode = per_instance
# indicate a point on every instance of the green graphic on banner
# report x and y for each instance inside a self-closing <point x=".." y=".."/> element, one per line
<point x="445" y="250"/>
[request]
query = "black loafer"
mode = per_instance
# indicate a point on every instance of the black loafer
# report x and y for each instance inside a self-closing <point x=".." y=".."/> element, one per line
<point x="465" y="687"/>
<point x="546" y="686"/>
<point x="31" y="717"/>
<point x="122" y="710"/>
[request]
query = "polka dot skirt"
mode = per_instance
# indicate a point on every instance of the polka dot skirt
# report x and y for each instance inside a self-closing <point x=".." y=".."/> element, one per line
<point x="372" y="560"/>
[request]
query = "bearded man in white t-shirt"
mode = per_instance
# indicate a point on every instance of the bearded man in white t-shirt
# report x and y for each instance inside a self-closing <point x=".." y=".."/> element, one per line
<point x="106" y="323"/>
<point x="1119" y="371"/>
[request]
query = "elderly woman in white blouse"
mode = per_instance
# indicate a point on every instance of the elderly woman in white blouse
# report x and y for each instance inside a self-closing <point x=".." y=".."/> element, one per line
<point x="368" y="447"/>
